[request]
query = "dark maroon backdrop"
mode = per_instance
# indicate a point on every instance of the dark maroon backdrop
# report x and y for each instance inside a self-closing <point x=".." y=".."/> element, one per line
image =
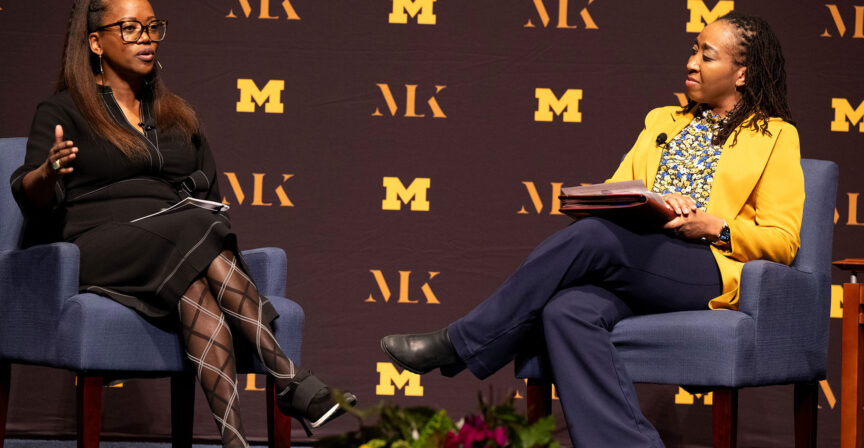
<point x="312" y="176"/>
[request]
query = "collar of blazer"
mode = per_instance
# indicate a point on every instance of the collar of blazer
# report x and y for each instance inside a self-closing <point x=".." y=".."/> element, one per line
<point x="738" y="169"/>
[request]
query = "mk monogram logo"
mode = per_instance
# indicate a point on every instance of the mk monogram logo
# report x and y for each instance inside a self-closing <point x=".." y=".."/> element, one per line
<point x="568" y="105"/>
<point x="258" y="190"/>
<point x="390" y="379"/>
<point x="700" y="15"/>
<point x="397" y="194"/>
<point x="563" y="10"/>
<point x="684" y="397"/>
<point x="264" y="10"/>
<point x="418" y="9"/>
<point x="853" y="211"/>
<point x="841" y="25"/>
<point x="404" y="287"/>
<point x="410" y="102"/>
<point x="844" y="114"/>
<point x="538" y="203"/>
<point x="270" y="96"/>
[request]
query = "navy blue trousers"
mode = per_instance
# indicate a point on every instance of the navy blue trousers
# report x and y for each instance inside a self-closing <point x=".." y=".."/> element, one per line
<point x="575" y="286"/>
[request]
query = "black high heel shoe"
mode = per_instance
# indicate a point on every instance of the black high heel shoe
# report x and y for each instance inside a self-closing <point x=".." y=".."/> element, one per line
<point x="307" y="398"/>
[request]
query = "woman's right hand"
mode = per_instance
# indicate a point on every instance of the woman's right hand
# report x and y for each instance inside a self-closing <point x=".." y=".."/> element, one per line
<point x="61" y="154"/>
<point x="682" y="205"/>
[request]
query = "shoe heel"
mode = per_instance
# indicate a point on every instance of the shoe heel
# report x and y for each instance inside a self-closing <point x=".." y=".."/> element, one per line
<point x="305" y="426"/>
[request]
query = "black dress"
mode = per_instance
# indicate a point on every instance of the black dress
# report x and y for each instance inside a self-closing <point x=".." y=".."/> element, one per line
<point x="148" y="264"/>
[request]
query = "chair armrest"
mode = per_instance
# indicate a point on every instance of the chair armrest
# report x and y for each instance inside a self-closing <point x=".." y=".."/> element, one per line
<point x="787" y="294"/>
<point x="791" y="310"/>
<point x="268" y="267"/>
<point x="34" y="284"/>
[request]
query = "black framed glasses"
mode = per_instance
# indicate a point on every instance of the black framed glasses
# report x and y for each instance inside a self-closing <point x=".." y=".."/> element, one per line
<point x="131" y="30"/>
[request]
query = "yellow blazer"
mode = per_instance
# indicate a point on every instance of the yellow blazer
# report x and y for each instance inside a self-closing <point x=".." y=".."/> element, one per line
<point x="758" y="189"/>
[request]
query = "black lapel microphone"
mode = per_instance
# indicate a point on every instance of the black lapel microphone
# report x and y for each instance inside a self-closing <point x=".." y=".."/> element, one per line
<point x="661" y="140"/>
<point x="150" y="127"/>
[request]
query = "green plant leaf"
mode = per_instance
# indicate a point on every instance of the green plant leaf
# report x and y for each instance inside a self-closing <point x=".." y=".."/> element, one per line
<point x="436" y="428"/>
<point x="538" y="434"/>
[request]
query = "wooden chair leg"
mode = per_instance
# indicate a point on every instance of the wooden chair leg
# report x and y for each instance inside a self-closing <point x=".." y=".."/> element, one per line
<point x="89" y="410"/>
<point x="278" y="424"/>
<point x="5" y="381"/>
<point x="725" y="410"/>
<point x="851" y="367"/>
<point x="538" y="399"/>
<point x="806" y="406"/>
<point x="182" y="409"/>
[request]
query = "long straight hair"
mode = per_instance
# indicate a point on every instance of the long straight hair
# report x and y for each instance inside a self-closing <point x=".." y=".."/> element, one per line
<point x="78" y="75"/>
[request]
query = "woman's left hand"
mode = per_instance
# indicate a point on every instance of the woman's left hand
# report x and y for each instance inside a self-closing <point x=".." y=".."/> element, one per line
<point x="696" y="225"/>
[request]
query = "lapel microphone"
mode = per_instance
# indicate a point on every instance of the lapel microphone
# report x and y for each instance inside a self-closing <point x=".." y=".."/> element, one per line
<point x="150" y="127"/>
<point x="661" y="140"/>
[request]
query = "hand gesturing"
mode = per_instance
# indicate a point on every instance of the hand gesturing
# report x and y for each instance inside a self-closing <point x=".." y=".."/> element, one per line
<point x="62" y="153"/>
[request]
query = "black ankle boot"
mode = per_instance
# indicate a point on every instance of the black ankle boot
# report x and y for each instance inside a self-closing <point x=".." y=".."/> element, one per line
<point x="422" y="353"/>
<point x="307" y="398"/>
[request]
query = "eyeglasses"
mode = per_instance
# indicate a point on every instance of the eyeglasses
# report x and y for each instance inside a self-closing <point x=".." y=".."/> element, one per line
<point x="131" y="30"/>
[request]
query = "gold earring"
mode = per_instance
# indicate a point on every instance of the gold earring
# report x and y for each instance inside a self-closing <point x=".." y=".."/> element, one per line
<point x="100" y="64"/>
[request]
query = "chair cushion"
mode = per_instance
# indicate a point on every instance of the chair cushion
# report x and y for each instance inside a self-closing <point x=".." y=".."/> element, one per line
<point x="96" y="333"/>
<point x="700" y="348"/>
<point x="672" y="348"/>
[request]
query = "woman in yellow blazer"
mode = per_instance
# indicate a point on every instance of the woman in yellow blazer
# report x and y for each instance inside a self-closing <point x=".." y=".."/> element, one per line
<point x="731" y="172"/>
<point x="758" y="189"/>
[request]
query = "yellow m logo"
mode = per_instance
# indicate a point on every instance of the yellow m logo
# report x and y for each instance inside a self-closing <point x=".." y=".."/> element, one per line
<point x="844" y="114"/>
<point x="397" y="194"/>
<point x="700" y="15"/>
<point x="684" y="397"/>
<point x="390" y="379"/>
<point x="270" y="96"/>
<point x="568" y="105"/>
<point x="419" y="9"/>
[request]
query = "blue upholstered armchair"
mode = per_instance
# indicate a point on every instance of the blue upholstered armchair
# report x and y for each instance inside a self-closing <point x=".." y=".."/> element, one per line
<point x="778" y="336"/>
<point x="45" y="321"/>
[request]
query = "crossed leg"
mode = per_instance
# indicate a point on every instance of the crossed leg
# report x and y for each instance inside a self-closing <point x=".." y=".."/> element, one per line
<point x="210" y="348"/>
<point x="238" y="298"/>
<point x="226" y="298"/>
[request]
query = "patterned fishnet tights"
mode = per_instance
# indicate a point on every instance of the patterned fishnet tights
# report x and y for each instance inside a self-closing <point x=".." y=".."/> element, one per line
<point x="223" y="299"/>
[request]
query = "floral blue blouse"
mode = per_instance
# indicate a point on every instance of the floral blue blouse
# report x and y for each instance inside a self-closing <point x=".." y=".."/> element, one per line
<point x="688" y="162"/>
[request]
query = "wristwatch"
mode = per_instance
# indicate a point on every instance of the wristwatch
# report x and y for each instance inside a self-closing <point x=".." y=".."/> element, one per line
<point x="724" y="239"/>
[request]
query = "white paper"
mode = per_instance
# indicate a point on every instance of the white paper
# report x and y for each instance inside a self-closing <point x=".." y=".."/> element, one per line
<point x="216" y="207"/>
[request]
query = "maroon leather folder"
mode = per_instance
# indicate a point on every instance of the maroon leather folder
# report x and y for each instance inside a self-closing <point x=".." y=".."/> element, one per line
<point x="628" y="203"/>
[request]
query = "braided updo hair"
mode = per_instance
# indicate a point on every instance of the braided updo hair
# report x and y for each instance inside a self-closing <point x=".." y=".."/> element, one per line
<point x="764" y="91"/>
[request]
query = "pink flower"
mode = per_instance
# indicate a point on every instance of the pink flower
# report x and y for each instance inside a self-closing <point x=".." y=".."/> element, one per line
<point x="499" y="435"/>
<point x="475" y="430"/>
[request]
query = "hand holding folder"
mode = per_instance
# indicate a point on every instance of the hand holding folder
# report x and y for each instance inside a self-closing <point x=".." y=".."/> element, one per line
<point x="627" y="203"/>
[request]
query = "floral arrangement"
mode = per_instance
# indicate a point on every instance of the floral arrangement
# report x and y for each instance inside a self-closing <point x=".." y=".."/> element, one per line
<point x="497" y="425"/>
